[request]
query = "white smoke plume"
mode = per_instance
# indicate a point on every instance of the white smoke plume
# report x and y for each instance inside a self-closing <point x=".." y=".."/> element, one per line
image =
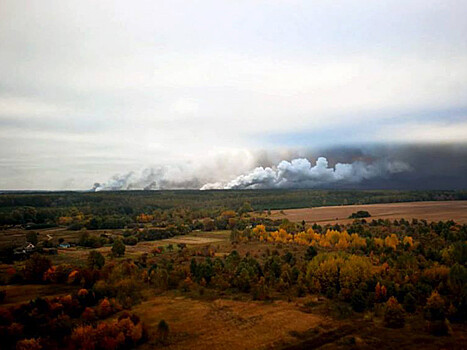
<point x="159" y="178"/>
<point x="300" y="173"/>
<point x="184" y="174"/>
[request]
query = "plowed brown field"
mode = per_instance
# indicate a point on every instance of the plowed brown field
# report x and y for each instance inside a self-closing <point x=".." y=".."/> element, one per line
<point x="430" y="211"/>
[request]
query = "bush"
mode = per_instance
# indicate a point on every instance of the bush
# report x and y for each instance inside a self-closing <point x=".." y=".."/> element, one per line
<point x="435" y="307"/>
<point x="163" y="331"/>
<point x="311" y="252"/>
<point x="394" y="316"/>
<point x="131" y="240"/>
<point x="360" y="214"/>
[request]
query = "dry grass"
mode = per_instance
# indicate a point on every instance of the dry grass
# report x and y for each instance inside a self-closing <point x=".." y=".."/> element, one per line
<point x="430" y="211"/>
<point x="246" y="324"/>
<point x="224" y="324"/>
<point x="17" y="294"/>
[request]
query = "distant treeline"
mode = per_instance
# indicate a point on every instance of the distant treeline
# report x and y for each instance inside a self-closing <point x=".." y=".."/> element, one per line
<point x="43" y="208"/>
<point x="126" y="201"/>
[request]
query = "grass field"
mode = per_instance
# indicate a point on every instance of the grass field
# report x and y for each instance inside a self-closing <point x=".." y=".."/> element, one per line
<point x="305" y="323"/>
<point x="17" y="294"/>
<point x="225" y="324"/>
<point x="430" y="211"/>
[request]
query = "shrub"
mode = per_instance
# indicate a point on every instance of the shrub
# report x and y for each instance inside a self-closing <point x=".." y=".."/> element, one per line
<point x="360" y="214"/>
<point x="311" y="252"/>
<point x="104" y="309"/>
<point x="163" y="331"/>
<point x="394" y="315"/>
<point x="435" y="307"/>
<point x="131" y="240"/>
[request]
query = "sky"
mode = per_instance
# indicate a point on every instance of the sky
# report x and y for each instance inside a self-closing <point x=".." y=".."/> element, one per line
<point x="187" y="94"/>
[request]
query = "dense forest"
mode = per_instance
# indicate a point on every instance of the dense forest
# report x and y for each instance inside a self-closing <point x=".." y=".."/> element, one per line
<point x="122" y="207"/>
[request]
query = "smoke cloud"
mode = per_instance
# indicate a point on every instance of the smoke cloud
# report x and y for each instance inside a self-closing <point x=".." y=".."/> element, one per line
<point x="300" y="173"/>
<point x="159" y="178"/>
<point x="404" y="167"/>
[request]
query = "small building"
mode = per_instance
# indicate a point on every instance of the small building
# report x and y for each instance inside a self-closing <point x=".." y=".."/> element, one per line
<point x="29" y="247"/>
<point x="64" y="245"/>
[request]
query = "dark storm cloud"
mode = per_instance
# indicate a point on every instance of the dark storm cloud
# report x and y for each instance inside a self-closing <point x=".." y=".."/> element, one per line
<point x="433" y="166"/>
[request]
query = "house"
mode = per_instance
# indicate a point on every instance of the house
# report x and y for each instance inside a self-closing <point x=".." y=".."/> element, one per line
<point x="24" y="251"/>
<point x="29" y="247"/>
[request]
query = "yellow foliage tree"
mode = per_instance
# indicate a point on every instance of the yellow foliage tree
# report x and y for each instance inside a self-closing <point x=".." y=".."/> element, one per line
<point x="391" y="241"/>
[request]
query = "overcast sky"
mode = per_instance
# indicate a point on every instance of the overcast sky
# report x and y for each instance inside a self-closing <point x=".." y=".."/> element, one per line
<point x="89" y="89"/>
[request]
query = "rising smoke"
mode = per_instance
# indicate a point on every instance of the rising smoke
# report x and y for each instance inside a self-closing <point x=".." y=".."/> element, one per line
<point x="412" y="167"/>
<point x="159" y="178"/>
<point x="300" y="173"/>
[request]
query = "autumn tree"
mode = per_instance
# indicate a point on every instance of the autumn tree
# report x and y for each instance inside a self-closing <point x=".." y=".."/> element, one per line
<point x="435" y="307"/>
<point x="394" y="315"/>
<point x="95" y="260"/>
<point x="208" y="224"/>
<point x="245" y="208"/>
<point x="118" y="248"/>
<point x="435" y="313"/>
<point x="35" y="267"/>
<point x="380" y="293"/>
